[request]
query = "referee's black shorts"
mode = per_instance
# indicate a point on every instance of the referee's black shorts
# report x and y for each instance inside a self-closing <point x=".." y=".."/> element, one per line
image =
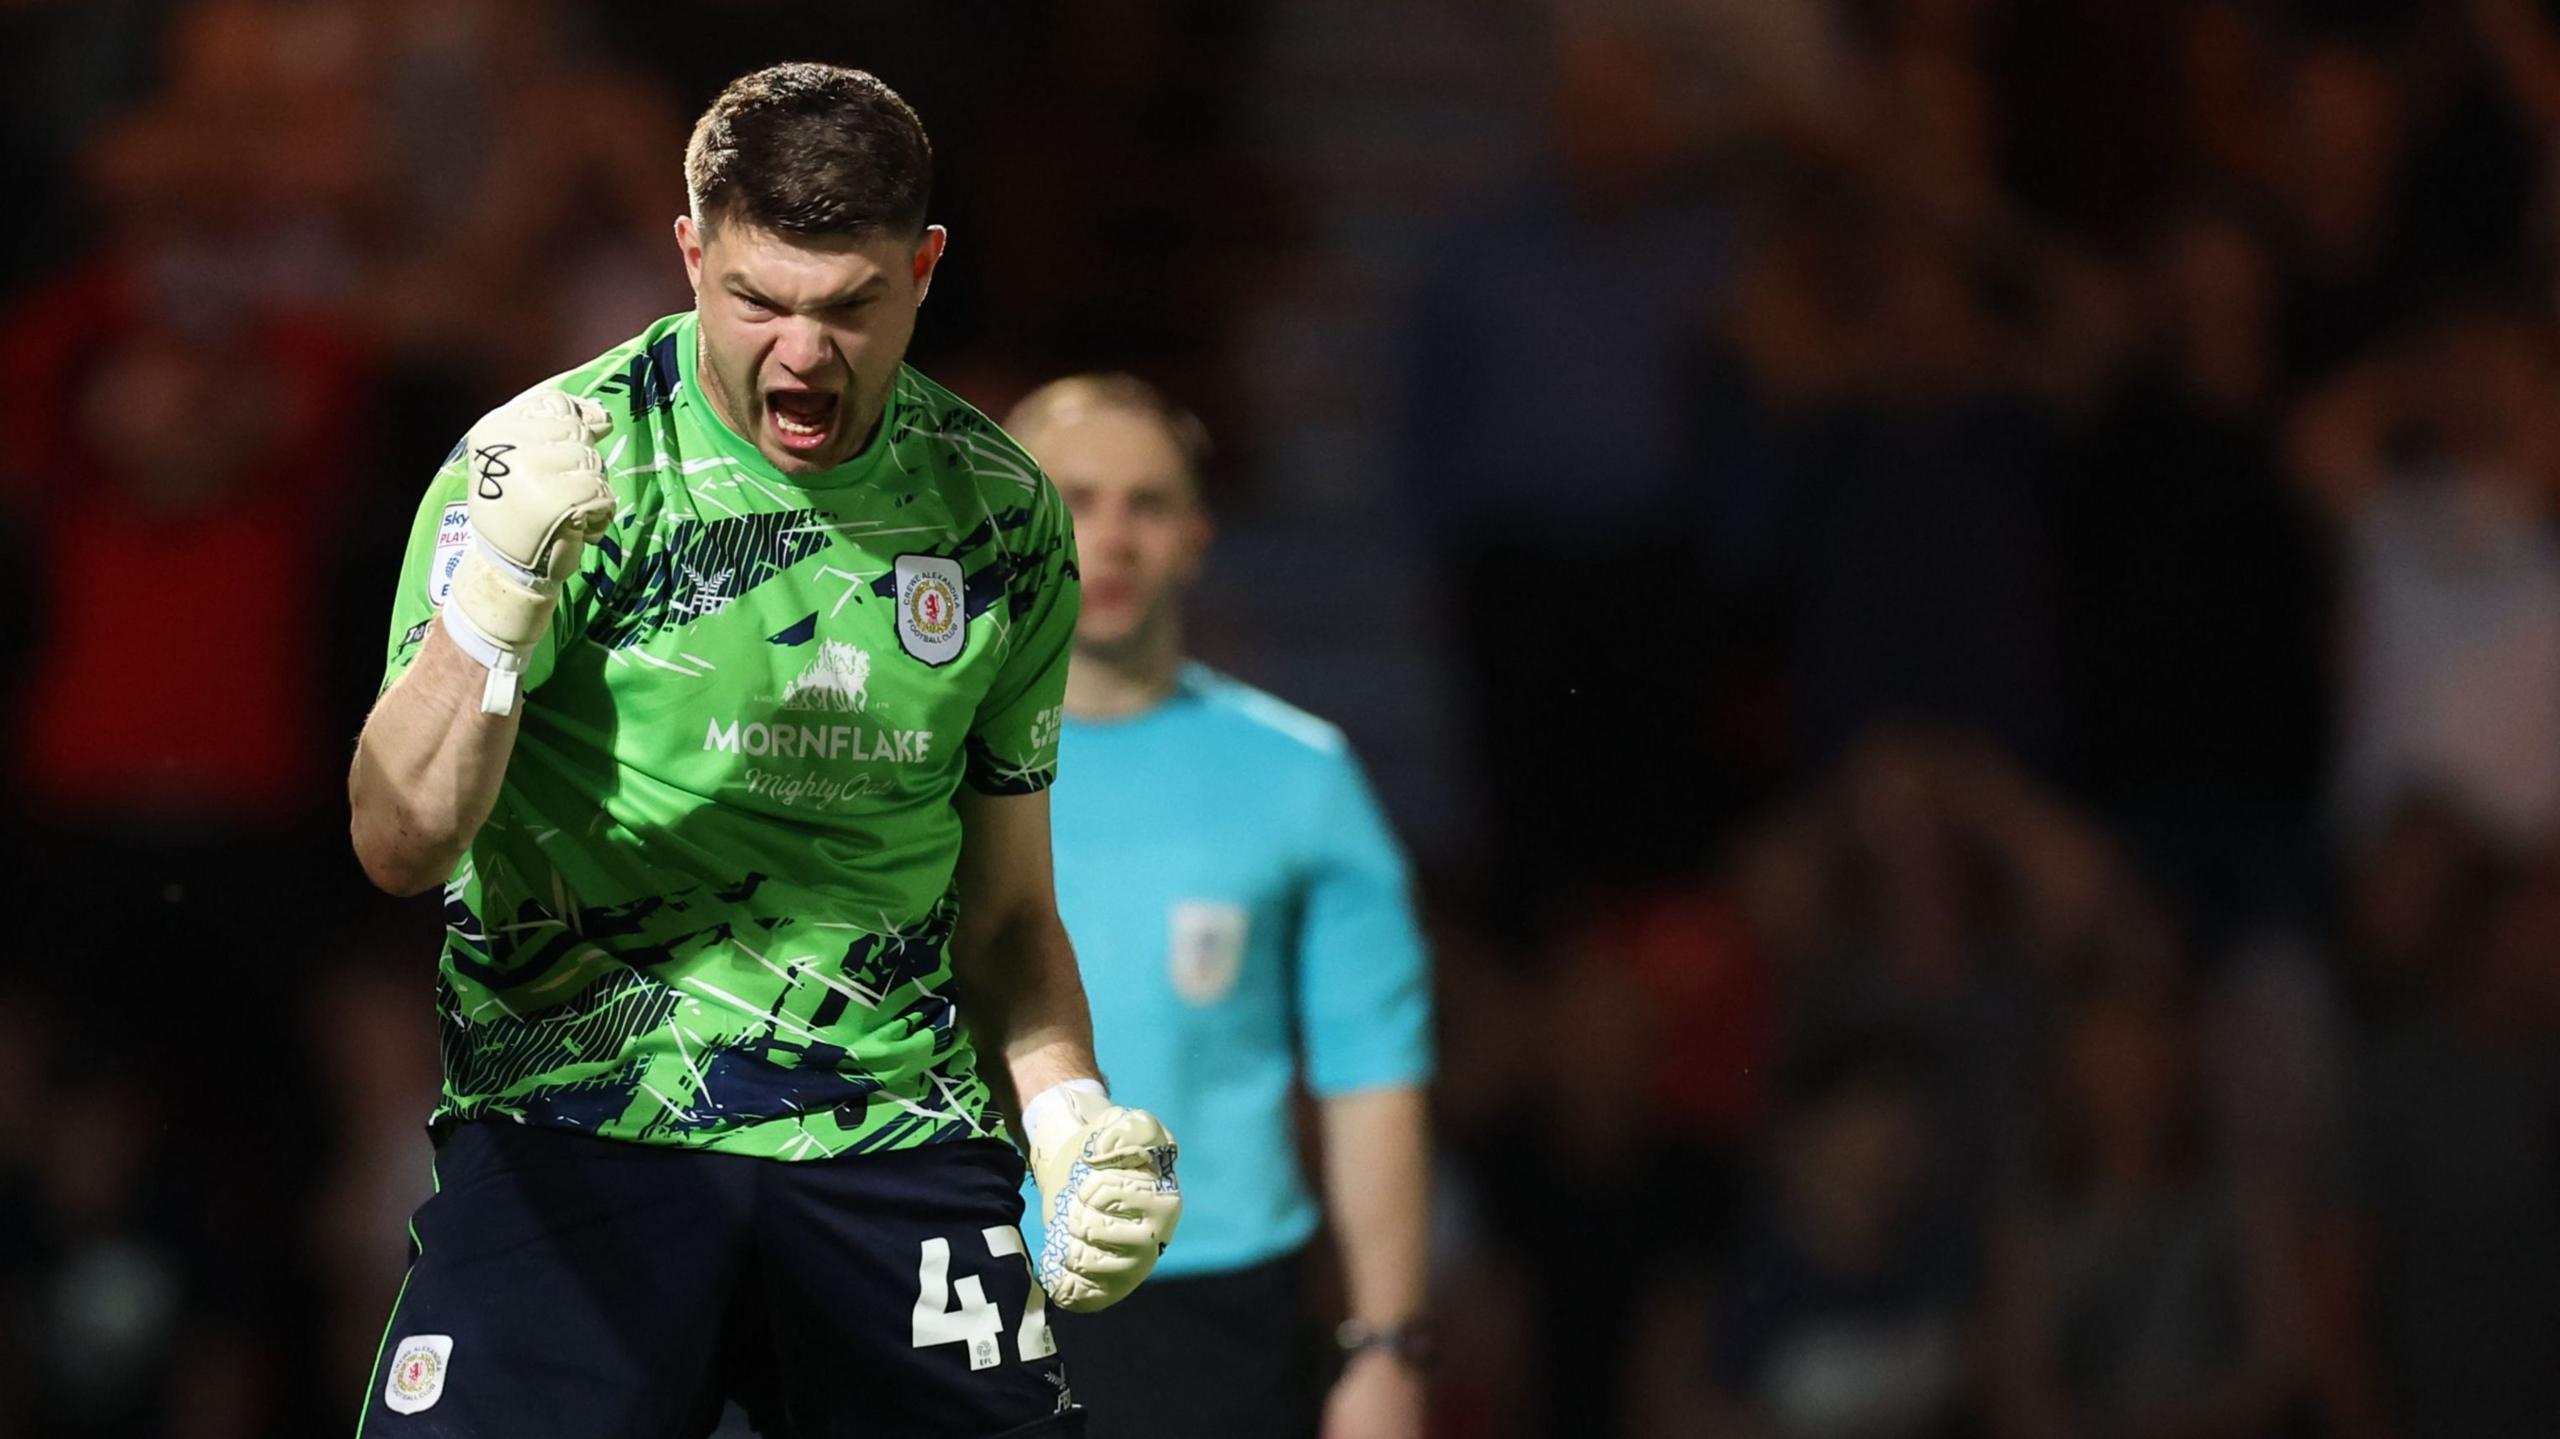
<point x="1232" y="1355"/>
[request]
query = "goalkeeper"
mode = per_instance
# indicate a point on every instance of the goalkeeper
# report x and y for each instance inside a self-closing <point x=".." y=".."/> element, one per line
<point x="724" y="694"/>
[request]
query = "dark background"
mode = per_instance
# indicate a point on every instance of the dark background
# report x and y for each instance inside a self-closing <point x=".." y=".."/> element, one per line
<point x="1958" y="600"/>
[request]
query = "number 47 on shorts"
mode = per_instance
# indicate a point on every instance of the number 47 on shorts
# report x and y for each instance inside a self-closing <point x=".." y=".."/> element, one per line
<point x="973" y="1319"/>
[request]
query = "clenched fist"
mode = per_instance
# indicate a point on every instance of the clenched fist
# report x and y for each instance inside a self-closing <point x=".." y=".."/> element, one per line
<point x="537" y="495"/>
<point x="1108" y="1191"/>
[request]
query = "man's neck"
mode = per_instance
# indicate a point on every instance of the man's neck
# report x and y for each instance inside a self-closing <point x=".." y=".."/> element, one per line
<point x="1106" y="682"/>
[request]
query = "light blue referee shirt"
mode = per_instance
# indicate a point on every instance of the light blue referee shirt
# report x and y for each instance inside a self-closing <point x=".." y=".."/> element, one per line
<point x="1240" y="909"/>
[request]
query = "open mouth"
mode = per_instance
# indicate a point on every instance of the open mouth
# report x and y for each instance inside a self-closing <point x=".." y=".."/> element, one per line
<point x="801" y="419"/>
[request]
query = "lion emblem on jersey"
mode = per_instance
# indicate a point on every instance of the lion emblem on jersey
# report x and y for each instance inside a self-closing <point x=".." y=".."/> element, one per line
<point x="839" y="679"/>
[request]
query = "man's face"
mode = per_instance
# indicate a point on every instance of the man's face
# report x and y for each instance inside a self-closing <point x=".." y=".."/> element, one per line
<point x="1140" y="530"/>
<point x="801" y="338"/>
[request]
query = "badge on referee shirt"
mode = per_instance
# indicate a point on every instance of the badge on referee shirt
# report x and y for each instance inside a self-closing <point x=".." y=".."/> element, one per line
<point x="1206" y="949"/>
<point x="933" y="608"/>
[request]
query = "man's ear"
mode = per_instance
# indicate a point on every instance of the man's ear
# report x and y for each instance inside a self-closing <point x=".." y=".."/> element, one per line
<point x="928" y="255"/>
<point x="689" y="244"/>
<point x="1198" y="533"/>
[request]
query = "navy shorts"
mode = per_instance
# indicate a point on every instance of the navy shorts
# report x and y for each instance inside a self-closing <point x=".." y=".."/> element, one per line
<point x="568" y="1287"/>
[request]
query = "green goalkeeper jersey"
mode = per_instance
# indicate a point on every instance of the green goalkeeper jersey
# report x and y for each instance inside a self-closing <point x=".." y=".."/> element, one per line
<point x="713" y="906"/>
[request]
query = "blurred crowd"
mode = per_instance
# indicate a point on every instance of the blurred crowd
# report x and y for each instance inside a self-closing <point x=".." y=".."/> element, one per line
<point x="1996" y="562"/>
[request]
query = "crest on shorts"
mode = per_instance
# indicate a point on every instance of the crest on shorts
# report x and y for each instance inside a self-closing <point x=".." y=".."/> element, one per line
<point x="933" y="610"/>
<point x="419" y="1364"/>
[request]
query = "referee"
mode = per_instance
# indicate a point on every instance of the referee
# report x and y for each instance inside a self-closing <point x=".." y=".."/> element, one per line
<point x="1241" y="909"/>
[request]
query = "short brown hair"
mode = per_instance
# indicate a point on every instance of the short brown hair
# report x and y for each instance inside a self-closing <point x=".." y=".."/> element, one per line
<point x="811" y="150"/>
<point x="1117" y="390"/>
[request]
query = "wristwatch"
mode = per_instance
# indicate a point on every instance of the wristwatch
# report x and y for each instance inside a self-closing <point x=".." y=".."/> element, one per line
<point x="1409" y="1341"/>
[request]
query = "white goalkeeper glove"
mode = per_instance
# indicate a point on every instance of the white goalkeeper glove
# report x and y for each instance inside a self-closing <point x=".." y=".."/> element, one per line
<point x="537" y="494"/>
<point x="1107" y="1193"/>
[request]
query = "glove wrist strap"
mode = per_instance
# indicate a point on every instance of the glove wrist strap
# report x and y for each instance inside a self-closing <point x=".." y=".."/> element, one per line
<point x="1054" y="1108"/>
<point x="505" y="666"/>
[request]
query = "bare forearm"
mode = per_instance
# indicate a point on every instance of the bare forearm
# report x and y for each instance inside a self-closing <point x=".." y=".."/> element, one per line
<point x="427" y="769"/>
<point x="1030" y="1005"/>
<point x="1377" y="1148"/>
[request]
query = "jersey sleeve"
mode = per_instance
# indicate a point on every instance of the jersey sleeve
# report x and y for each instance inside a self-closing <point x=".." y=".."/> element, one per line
<point x="1364" y="974"/>
<point x="1013" y="743"/>
<point x="437" y="539"/>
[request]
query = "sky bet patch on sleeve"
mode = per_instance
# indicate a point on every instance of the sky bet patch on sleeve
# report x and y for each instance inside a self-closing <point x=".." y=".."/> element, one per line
<point x="453" y="537"/>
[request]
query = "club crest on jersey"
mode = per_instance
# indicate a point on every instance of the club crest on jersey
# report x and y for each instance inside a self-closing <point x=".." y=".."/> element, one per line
<point x="933" y="613"/>
<point x="418" y="1369"/>
<point x="453" y="537"/>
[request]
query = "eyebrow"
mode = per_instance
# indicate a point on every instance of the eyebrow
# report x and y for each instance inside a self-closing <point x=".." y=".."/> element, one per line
<point x="737" y="285"/>
<point x="874" y="284"/>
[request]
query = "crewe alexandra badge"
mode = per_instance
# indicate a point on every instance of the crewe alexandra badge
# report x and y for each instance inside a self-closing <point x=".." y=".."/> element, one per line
<point x="418" y="1368"/>
<point x="933" y="610"/>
